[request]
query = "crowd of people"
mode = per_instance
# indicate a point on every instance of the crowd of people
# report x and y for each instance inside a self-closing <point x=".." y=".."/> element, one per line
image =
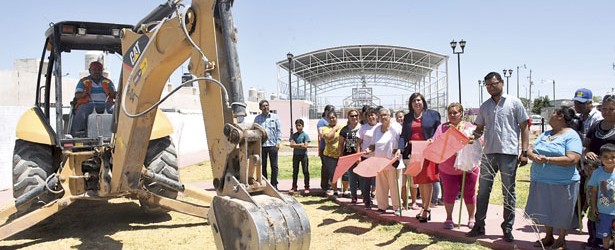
<point x="571" y="174"/>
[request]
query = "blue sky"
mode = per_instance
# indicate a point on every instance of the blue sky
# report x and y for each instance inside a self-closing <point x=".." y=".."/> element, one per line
<point x="571" y="42"/>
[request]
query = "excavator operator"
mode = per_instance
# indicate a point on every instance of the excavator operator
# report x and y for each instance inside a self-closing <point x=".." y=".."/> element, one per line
<point x="93" y="91"/>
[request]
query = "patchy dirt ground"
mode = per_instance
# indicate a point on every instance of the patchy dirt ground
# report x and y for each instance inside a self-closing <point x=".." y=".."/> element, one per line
<point x="121" y="224"/>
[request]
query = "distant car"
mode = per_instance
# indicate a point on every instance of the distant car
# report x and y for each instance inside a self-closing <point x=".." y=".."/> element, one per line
<point x="536" y="119"/>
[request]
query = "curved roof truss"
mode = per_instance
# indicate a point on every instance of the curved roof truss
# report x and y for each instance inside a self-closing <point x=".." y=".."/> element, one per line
<point x="329" y="69"/>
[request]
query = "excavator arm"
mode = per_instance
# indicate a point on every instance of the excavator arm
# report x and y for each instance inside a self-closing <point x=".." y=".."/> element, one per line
<point x="247" y="211"/>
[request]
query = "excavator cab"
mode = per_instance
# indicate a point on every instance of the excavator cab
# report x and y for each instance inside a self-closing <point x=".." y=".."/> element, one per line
<point x="45" y="141"/>
<point x="53" y="168"/>
<point x="54" y="104"/>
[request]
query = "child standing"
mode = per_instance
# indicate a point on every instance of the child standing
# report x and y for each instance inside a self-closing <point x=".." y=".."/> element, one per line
<point x="602" y="183"/>
<point x="299" y="142"/>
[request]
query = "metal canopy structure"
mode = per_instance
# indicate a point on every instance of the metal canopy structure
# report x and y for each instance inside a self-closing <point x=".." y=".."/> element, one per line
<point x="365" y="67"/>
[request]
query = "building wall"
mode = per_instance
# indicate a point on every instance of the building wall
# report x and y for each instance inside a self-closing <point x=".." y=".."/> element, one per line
<point x="183" y="109"/>
<point x="301" y="110"/>
<point x="9" y="115"/>
<point x="21" y="83"/>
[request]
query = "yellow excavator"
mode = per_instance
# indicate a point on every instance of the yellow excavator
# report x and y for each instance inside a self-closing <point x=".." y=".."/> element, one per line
<point x="129" y="152"/>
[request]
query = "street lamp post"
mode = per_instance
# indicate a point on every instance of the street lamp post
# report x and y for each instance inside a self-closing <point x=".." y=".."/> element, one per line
<point x="462" y="44"/>
<point x="290" y="90"/>
<point x="509" y="71"/>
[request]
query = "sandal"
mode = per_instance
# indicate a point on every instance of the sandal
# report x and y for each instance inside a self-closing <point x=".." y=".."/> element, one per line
<point x="471" y="224"/>
<point x="449" y="224"/>
<point x="545" y="243"/>
<point x="418" y="216"/>
<point x="424" y="219"/>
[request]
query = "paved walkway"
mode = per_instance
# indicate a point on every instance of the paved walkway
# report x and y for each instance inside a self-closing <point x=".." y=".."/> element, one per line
<point x="525" y="235"/>
<point x="523" y="232"/>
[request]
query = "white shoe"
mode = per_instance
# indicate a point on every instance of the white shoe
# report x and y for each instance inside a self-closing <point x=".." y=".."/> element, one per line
<point x="397" y="212"/>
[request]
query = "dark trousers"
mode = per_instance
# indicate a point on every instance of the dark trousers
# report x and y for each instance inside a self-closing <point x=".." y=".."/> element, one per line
<point x="303" y="159"/>
<point x="324" y="175"/>
<point x="368" y="183"/>
<point x="272" y="154"/>
<point x="356" y="181"/>
<point x="591" y="225"/>
<point x="331" y="164"/>
<point x="591" y="231"/>
<point x="489" y="167"/>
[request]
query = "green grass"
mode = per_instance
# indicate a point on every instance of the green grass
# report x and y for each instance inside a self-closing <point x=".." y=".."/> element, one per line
<point x="202" y="171"/>
<point x="369" y="233"/>
<point x="522" y="188"/>
<point x="285" y="167"/>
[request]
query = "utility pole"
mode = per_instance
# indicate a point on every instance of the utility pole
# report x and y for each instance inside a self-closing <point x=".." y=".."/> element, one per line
<point x="480" y="89"/>
<point x="553" y="91"/>
<point x="518" y="68"/>
<point x="517" y="82"/>
<point x="530" y="100"/>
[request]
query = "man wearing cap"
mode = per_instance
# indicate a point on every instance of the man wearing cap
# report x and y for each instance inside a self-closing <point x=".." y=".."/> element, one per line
<point x="93" y="91"/>
<point x="587" y="116"/>
<point x="584" y="106"/>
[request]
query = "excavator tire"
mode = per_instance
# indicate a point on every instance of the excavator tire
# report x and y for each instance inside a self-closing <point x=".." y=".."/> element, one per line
<point x="266" y="222"/>
<point x="32" y="164"/>
<point x="161" y="158"/>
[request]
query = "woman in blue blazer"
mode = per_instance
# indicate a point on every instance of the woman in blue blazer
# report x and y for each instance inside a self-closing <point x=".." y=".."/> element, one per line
<point x="419" y="125"/>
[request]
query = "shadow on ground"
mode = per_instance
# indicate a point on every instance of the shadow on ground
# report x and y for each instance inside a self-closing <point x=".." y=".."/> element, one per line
<point x="92" y="222"/>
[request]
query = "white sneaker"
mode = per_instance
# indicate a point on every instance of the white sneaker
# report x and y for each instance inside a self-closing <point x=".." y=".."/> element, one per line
<point x="397" y="212"/>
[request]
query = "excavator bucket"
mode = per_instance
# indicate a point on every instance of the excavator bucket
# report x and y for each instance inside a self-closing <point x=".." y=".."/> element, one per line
<point x="266" y="222"/>
<point x="248" y="212"/>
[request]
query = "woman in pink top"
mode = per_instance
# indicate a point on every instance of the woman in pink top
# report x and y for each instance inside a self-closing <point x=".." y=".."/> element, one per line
<point x="451" y="177"/>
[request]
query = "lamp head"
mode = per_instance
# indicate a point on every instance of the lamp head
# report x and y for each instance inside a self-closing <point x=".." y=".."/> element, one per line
<point x="453" y="45"/>
<point x="510" y="72"/>
<point x="289" y="56"/>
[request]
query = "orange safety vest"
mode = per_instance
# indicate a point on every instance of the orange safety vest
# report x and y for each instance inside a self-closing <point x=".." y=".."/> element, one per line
<point x="87" y="87"/>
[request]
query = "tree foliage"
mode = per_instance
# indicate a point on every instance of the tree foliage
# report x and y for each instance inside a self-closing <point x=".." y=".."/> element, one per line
<point x="525" y="101"/>
<point x="539" y="103"/>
